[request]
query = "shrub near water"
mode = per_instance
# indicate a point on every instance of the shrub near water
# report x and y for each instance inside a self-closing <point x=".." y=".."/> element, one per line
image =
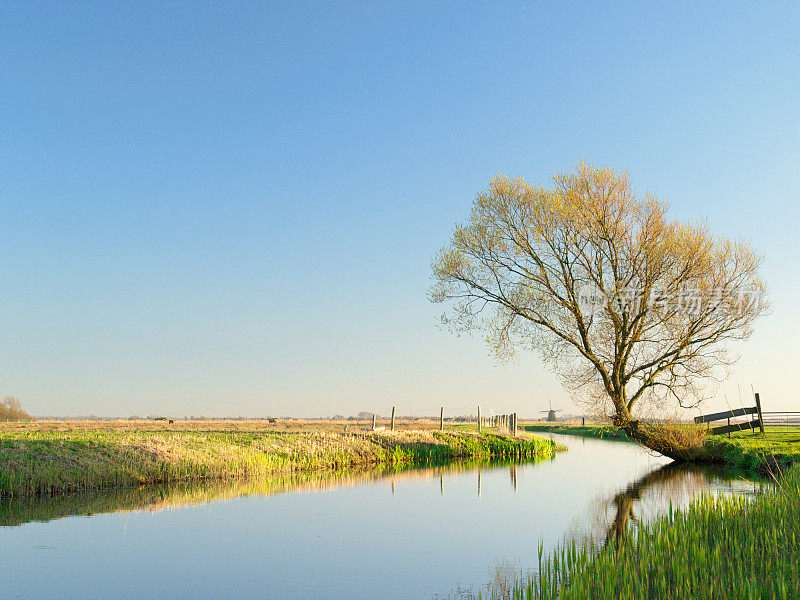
<point x="720" y="548"/>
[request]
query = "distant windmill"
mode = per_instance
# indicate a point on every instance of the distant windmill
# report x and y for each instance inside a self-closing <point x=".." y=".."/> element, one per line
<point x="551" y="414"/>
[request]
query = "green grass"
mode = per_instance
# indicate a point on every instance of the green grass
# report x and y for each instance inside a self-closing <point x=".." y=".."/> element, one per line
<point x="36" y="463"/>
<point x="777" y="448"/>
<point x="720" y="548"/>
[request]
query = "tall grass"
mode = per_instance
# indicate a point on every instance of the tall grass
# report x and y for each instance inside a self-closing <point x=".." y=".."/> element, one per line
<point x="720" y="548"/>
<point x="41" y="463"/>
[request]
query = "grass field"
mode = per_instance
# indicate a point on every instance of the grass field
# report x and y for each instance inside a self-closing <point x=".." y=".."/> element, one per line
<point x="777" y="448"/>
<point x="46" y="458"/>
<point x="720" y="548"/>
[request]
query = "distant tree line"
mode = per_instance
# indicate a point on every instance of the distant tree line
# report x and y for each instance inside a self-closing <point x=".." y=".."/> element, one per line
<point x="11" y="410"/>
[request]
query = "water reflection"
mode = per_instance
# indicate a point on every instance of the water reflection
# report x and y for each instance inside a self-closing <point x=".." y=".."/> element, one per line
<point x="15" y="512"/>
<point x="408" y="534"/>
<point x="614" y="516"/>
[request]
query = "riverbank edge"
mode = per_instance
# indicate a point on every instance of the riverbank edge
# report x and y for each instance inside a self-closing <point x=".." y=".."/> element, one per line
<point x="42" y="464"/>
<point x="734" y="452"/>
<point x="732" y="547"/>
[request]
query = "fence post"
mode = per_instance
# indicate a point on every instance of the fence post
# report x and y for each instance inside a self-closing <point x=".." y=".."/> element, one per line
<point x="760" y="415"/>
<point x="373" y="422"/>
<point x="441" y="420"/>
<point x="514" y="424"/>
<point x="393" y="418"/>
<point x="479" y="419"/>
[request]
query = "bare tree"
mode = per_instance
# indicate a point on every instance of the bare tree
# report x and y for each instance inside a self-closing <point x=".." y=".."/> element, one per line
<point x="12" y="402"/>
<point x="626" y="305"/>
<point x="11" y="410"/>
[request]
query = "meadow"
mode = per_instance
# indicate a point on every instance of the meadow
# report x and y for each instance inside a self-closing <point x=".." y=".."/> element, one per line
<point x="777" y="448"/>
<point x="44" y="458"/>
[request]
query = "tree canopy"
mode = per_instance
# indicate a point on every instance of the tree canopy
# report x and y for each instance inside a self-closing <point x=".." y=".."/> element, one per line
<point x="624" y="303"/>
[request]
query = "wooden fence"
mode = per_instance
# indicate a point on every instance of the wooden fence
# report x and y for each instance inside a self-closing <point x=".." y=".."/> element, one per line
<point x="782" y="417"/>
<point x="737" y="412"/>
<point x="506" y="422"/>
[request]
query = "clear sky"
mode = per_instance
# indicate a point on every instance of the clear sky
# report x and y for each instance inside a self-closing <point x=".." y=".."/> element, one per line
<point x="231" y="208"/>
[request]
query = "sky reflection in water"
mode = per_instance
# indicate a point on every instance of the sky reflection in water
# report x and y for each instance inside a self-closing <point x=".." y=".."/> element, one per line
<point x="414" y="534"/>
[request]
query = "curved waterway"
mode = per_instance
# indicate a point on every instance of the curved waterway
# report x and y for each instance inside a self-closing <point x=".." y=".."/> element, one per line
<point x="434" y="532"/>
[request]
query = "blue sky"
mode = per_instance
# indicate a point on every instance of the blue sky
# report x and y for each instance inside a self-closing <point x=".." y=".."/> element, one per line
<point x="231" y="208"/>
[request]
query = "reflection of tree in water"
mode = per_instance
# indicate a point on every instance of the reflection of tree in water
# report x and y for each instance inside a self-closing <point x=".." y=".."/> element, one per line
<point x="612" y="517"/>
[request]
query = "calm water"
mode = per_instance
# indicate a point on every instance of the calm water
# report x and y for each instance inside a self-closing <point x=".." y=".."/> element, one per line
<point x="417" y="534"/>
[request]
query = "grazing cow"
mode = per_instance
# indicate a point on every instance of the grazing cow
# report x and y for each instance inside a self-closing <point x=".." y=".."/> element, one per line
<point x="271" y="420"/>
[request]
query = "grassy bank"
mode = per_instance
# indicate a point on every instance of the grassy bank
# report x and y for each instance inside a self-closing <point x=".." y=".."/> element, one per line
<point x="720" y="548"/>
<point x="776" y="449"/>
<point x="42" y="460"/>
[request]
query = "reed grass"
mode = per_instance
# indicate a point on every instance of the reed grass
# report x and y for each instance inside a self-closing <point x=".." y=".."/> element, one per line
<point x="41" y="462"/>
<point x="720" y="548"/>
